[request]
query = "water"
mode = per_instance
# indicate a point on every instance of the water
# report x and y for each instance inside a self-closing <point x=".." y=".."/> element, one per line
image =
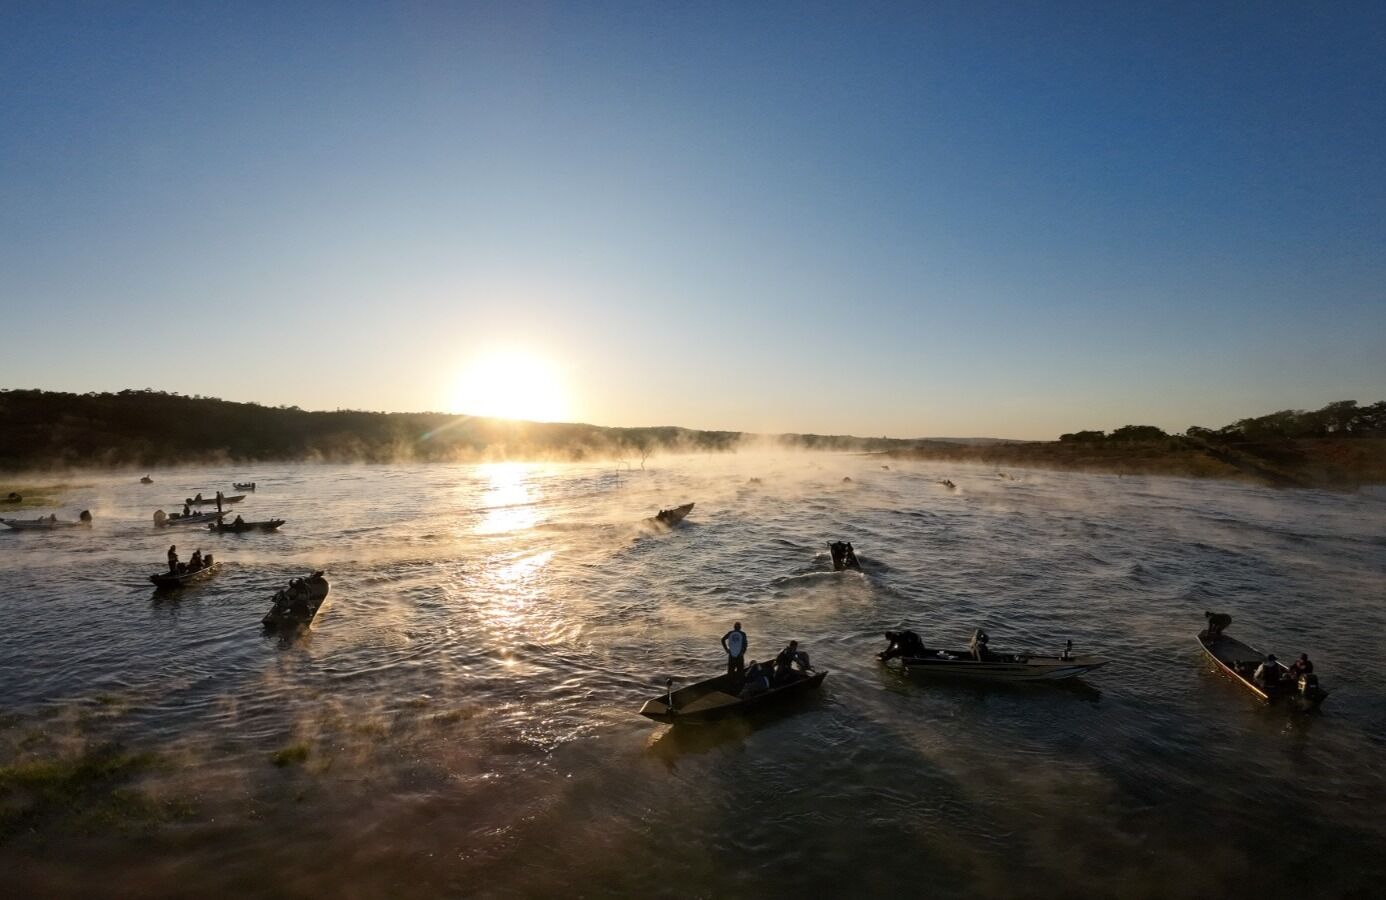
<point x="467" y="698"/>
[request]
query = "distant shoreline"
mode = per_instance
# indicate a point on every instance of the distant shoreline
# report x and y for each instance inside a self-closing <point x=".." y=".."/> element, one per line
<point x="1341" y="446"/>
<point x="1329" y="462"/>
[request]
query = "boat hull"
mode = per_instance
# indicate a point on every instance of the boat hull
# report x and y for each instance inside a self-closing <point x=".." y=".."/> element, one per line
<point x="957" y="664"/>
<point x="41" y="524"/>
<point x="212" y="501"/>
<point x="165" y="581"/>
<point x="228" y="528"/>
<point x="716" y="699"/>
<point x="673" y="516"/>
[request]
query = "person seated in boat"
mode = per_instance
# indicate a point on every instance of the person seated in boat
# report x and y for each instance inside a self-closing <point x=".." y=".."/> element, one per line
<point x="1216" y="623"/>
<point x="757" y="679"/>
<point x="187" y="510"/>
<point x="1301" y="667"/>
<point x="172" y="558"/>
<point x="238" y="522"/>
<point x="978" y="646"/>
<point x="1268" y="673"/>
<point x="785" y="663"/>
<point x="198" y="498"/>
<point x="902" y="643"/>
<point x="195" y="561"/>
<point x="207" y="561"/>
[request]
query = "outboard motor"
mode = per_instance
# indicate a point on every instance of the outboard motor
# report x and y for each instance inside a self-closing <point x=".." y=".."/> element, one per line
<point x="160" y="518"/>
<point x="85" y="516"/>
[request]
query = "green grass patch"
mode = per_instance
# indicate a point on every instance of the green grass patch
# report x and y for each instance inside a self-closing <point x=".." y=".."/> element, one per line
<point x="292" y="755"/>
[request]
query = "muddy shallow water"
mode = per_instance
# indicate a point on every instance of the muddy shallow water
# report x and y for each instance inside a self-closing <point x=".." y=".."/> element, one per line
<point x="461" y="718"/>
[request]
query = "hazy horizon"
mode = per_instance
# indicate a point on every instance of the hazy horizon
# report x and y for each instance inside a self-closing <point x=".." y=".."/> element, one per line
<point x="983" y="220"/>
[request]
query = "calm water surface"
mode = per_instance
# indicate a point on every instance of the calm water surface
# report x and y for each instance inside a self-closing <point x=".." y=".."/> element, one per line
<point x="467" y="698"/>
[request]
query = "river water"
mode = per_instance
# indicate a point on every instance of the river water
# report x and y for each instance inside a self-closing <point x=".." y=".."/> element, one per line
<point x="461" y="719"/>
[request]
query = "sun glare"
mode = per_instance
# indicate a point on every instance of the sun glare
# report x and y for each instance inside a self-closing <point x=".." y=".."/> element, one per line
<point x="511" y="385"/>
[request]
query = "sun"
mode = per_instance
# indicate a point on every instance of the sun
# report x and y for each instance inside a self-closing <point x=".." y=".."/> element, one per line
<point x="511" y="384"/>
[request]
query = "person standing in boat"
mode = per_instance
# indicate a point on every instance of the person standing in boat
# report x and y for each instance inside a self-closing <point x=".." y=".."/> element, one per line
<point x="735" y="643"/>
<point x="172" y="559"/>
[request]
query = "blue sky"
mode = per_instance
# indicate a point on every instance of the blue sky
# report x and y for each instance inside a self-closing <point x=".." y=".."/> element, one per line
<point x="1009" y="219"/>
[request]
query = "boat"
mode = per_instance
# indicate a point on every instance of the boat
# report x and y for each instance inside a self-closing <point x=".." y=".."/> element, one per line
<point x="719" y="698"/>
<point x="290" y="611"/>
<point x="1015" y="667"/>
<point x="48" y="523"/>
<point x="162" y="520"/>
<point x="146" y="480"/>
<point x="244" y="486"/>
<point x="1241" y="660"/>
<point x="205" y="501"/>
<point x="166" y="581"/>
<point x="844" y="557"/>
<point x="242" y="527"/>
<point x="673" y="516"/>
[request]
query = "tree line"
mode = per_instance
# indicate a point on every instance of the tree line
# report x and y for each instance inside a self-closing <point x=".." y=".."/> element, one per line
<point x="1343" y="418"/>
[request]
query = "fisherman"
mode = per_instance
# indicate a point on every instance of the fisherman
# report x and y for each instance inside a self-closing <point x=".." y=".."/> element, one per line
<point x="198" y="498"/>
<point x="735" y="643"/>
<point x="902" y="643"/>
<point x="978" y="645"/>
<point x="1301" y="666"/>
<point x="172" y="558"/>
<point x="1216" y="623"/>
<point x="238" y="521"/>
<point x="207" y="561"/>
<point x="787" y="659"/>
<point x="195" y="562"/>
<point x="1268" y="672"/>
<point x="757" y="679"/>
<point x="187" y="509"/>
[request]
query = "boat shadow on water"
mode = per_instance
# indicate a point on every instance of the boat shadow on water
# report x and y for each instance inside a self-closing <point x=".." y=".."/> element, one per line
<point x="671" y="743"/>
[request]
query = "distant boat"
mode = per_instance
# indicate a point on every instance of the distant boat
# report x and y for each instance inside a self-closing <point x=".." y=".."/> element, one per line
<point x="289" y="610"/>
<point x="146" y="480"/>
<point x="237" y="528"/>
<point x="1241" y="661"/>
<point x="844" y="557"/>
<point x="168" y="580"/>
<point x="47" y="523"/>
<point x="673" y="516"/>
<point x="719" y="698"/>
<point x="244" y="486"/>
<point x="206" y="501"/>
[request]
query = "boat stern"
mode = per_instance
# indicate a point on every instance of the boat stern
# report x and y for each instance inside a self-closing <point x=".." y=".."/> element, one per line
<point x="659" y="711"/>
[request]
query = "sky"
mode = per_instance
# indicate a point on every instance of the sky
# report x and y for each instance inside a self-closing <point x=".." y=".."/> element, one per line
<point x="1005" y="219"/>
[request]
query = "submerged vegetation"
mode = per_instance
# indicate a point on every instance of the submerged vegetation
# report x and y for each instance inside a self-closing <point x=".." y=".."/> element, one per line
<point x="1341" y="445"/>
<point x="84" y="790"/>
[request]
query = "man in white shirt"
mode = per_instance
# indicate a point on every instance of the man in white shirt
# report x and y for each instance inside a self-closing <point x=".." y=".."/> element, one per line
<point x="735" y="643"/>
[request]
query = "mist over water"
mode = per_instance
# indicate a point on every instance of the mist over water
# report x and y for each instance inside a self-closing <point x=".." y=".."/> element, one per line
<point x="467" y="697"/>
